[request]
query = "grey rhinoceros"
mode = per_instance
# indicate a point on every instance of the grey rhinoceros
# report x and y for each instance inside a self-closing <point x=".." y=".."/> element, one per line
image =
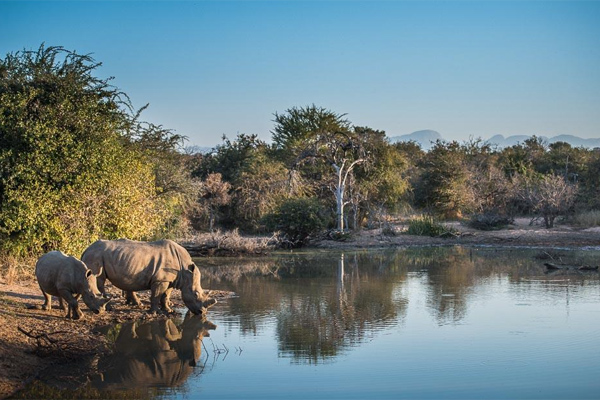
<point x="68" y="278"/>
<point x="159" y="266"/>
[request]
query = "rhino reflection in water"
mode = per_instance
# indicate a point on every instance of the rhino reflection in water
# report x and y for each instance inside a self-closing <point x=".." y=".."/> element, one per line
<point x="154" y="354"/>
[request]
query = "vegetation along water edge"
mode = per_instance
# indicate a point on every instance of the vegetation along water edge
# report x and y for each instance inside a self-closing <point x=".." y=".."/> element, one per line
<point x="78" y="163"/>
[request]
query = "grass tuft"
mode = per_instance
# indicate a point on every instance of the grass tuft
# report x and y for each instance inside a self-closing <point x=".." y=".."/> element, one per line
<point x="426" y="225"/>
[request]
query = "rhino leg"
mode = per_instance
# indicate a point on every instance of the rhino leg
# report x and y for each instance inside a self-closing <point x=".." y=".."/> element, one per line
<point x="132" y="298"/>
<point x="165" y="301"/>
<point x="100" y="281"/>
<point x="61" y="304"/>
<point x="47" y="302"/>
<point x="157" y="296"/>
<point x="73" y="311"/>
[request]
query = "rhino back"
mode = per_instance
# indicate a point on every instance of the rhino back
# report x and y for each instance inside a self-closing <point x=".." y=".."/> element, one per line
<point x="133" y="265"/>
<point x="55" y="271"/>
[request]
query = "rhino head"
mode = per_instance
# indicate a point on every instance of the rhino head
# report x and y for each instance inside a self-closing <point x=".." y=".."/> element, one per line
<point x="192" y="293"/>
<point x="91" y="295"/>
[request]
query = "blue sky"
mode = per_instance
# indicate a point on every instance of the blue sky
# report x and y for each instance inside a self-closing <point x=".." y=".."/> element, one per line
<point x="465" y="69"/>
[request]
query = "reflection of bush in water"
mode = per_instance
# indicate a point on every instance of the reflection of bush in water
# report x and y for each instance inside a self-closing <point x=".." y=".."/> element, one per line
<point x="234" y="273"/>
<point x="317" y="317"/>
<point x="453" y="273"/>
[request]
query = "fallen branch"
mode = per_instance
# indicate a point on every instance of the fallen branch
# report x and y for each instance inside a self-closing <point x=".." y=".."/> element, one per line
<point x="41" y="338"/>
<point x="576" y="267"/>
<point x="62" y="344"/>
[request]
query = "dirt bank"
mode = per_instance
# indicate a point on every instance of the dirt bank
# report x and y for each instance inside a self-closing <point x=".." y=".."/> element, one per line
<point x="516" y="235"/>
<point x="32" y="340"/>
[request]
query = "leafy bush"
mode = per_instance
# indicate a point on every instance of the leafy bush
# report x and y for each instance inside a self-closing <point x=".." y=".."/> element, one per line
<point x="298" y="219"/>
<point x="75" y="163"/>
<point x="427" y="226"/>
<point x="489" y="222"/>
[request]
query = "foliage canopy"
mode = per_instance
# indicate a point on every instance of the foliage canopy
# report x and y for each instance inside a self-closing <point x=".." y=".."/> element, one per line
<point x="75" y="162"/>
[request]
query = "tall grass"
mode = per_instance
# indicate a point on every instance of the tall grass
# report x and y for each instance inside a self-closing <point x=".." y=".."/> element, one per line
<point x="588" y="219"/>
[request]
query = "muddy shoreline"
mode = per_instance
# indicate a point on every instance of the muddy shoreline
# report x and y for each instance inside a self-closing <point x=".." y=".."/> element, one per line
<point x="47" y="339"/>
<point x="31" y="340"/>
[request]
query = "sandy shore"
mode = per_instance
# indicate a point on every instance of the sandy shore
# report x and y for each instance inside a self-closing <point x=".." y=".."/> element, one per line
<point x="23" y="356"/>
<point x="517" y="235"/>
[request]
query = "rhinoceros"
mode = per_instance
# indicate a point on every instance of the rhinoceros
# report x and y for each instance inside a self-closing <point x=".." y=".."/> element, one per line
<point x="68" y="278"/>
<point x="159" y="266"/>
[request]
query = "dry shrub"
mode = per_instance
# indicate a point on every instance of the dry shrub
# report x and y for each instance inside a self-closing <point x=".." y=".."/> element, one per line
<point x="588" y="219"/>
<point x="232" y="242"/>
<point x="389" y="230"/>
<point x="14" y="269"/>
<point x="489" y="221"/>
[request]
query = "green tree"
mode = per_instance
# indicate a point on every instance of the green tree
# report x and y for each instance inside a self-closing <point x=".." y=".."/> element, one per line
<point x="589" y="182"/>
<point x="262" y="187"/>
<point x="230" y="158"/>
<point x="298" y="219"/>
<point x="259" y="181"/>
<point x="443" y="185"/>
<point x="381" y="181"/>
<point x="69" y="170"/>
<point x="321" y="137"/>
<point x="177" y="191"/>
<point x="522" y="159"/>
<point x="298" y="126"/>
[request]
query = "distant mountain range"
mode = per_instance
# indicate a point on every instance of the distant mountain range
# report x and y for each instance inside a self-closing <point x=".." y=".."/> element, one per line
<point x="574" y="141"/>
<point x="426" y="137"/>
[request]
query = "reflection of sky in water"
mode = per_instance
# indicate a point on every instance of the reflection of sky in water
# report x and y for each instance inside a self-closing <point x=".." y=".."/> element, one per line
<point x="485" y="328"/>
<point x="419" y="323"/>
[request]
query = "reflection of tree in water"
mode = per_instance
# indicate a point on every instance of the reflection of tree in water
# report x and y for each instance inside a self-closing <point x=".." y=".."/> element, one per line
<point x="319" y="313"/>
<point x="320" y="302"/>
<point x="355" y="303"/>
<point x="451" y="280"/>
<point x="255" y="282"/>
<point x="452" y="274"/>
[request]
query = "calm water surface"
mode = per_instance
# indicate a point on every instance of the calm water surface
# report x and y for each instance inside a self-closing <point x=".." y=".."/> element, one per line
<point x="418" y="323"/>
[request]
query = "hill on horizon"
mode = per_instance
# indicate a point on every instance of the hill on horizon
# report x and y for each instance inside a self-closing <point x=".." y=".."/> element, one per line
<point x="426" y="137"/>
<point x="574" y="141"/>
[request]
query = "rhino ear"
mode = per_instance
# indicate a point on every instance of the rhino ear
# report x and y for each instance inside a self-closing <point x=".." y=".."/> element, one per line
<point x="88" y="273"/>
<point x="191" y="267"/>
